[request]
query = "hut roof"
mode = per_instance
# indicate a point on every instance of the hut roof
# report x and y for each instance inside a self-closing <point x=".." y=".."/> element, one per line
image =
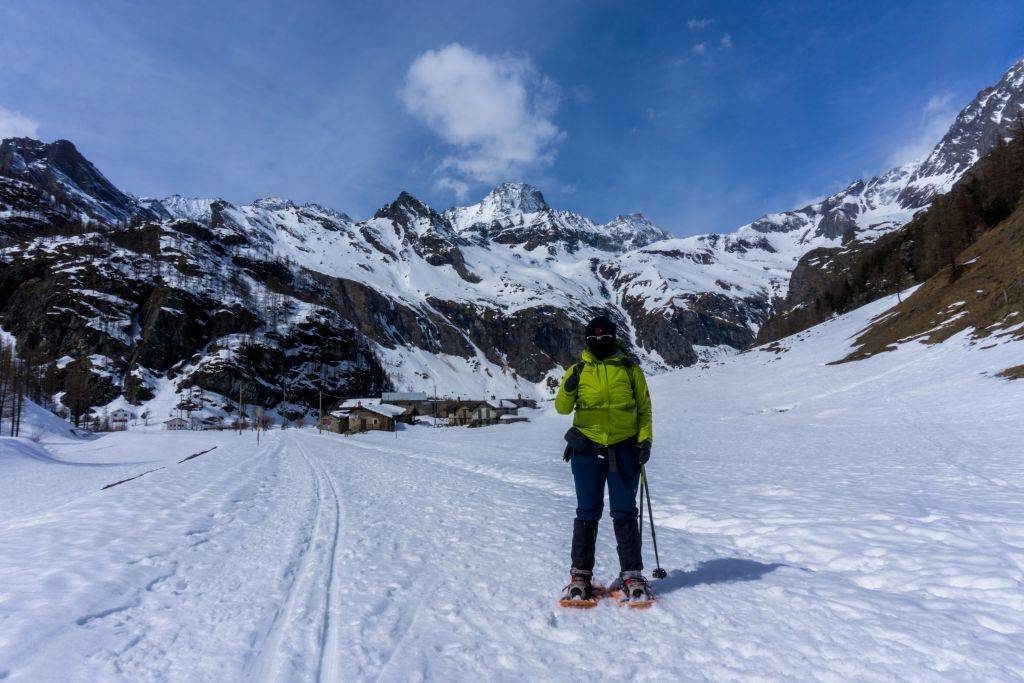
<point x="356" y="402"/>
<point x="403" y="396"/>
<point x="385" y="410"/>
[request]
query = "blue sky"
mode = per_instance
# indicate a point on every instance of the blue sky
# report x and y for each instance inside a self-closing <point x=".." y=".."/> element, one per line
<point x="703" y="115"/>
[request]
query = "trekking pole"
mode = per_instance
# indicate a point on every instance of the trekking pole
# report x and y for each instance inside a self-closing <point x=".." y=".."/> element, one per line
<point x="658" y="573"/>
<point x="641" y="507"/>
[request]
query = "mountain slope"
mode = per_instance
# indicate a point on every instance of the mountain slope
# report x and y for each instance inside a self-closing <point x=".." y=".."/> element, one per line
<point x="930" y="249"/>
<point x="150" y="296"/>
<point x="867" y="208"/>
<point x="72" y="182"/>
<point x="982" y="291"/>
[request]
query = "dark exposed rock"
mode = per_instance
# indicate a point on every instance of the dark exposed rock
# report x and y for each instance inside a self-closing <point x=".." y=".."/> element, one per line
<point x="705" y="319"/>
<point x="835" y="224"/>
<point x="405" y="209"/>
<point x="389" y="322"/>
<point x="528" y="341"/>
<point x="743" y="245"/>
<point x="274" y="370"/>
<point x="438" y="251"/>
<point x="90" y="299"/>
<point x="56" y="168"/>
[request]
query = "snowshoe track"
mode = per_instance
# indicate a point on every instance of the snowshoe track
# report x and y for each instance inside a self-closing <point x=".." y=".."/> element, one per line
<point x="304" y="625"/>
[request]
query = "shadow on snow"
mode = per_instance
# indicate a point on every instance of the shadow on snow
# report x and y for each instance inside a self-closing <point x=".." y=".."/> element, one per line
<point x="709" y="572"/>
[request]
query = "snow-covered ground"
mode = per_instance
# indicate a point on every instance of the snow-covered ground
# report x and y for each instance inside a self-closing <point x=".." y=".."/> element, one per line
<point x="855" y="522"/>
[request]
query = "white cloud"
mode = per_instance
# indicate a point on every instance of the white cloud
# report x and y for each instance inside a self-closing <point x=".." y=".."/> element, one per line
<point x="459" y="188"/>
<point x="495" y="113"/>
<point x="700" y="48"/>
<point x="938" y="103"/>
<point x="936" y="116"/>
<point x="699" y="24"/>
<point x="725" y="42"/>
<point x="14" y="124"/>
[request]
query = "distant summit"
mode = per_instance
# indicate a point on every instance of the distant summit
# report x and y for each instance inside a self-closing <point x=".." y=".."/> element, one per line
<point x="515" y="198"/>
<point x="70" y="179"/>
<point x="502" y="202"/>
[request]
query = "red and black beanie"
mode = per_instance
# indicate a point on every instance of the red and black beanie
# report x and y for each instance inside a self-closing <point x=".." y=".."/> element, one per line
<point x="600" y="326"/>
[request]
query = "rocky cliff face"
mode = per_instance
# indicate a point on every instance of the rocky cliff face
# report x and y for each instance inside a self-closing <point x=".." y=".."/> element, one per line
<point x="156" y="297"/>
<point x="167" y="310"/>
<point x="979" y="126"/>
<point x="73" y="184"/>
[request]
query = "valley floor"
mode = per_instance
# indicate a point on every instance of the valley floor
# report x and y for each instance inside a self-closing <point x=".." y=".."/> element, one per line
<point x="862" y="521"/>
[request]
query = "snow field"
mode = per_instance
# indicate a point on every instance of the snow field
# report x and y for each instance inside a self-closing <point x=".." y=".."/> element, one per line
<point x="853" y="522"/>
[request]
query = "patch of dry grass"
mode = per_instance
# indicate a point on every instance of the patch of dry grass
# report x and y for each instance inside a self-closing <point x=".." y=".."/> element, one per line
<point x="986" y="294"/>
<point x="1016" y="372"/>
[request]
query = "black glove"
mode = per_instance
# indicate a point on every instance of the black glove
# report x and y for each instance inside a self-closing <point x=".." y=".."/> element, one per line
<point x="643" y="452"/>
<point x="573" y="383"/>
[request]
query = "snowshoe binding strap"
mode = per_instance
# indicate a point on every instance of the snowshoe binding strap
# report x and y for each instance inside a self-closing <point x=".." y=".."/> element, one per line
<point x="580" y="586"/>
<point x="580" y="592"/>
<point x="633" y="590"/>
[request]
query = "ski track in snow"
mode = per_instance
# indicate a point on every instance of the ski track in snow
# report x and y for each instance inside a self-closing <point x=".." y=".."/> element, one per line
<point x="853" y="522"/>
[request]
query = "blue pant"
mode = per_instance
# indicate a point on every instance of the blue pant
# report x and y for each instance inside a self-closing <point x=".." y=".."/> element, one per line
<point x="590" y="472"/>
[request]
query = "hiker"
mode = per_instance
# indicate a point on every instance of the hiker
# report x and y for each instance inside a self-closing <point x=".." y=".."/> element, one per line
<point x="609" y="440"/>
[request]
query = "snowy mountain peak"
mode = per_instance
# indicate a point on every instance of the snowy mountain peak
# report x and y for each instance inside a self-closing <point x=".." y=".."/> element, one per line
<point x="636" y="229"/>
<point x="505" y="201"/>
<point x="327" y="211"/>
<point x="184" y="208"/>
<point x="867" y="209"/>
<point x="977" y="127"/>
<point x="510" y="198"/>
<point x="274" y="204"/>
<point x="404" y="207"/>
<point x="71" y="179"/>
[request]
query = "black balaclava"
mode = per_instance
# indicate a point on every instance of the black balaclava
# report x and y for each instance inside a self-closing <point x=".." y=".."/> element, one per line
<point x="601" y="337"/>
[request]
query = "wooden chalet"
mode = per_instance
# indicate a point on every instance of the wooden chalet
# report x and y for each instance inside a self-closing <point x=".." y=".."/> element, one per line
<point x="381" y="416"/>
<point x="119" y="419"/>
<point x="177" y="424"/>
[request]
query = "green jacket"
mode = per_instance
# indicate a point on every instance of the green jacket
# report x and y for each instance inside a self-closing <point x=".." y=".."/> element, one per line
<point x="611" y="403"/>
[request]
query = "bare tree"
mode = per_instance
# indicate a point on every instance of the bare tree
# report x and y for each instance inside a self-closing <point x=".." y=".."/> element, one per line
<point x="76" y="388"/>
<point x="6" y="377"/>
